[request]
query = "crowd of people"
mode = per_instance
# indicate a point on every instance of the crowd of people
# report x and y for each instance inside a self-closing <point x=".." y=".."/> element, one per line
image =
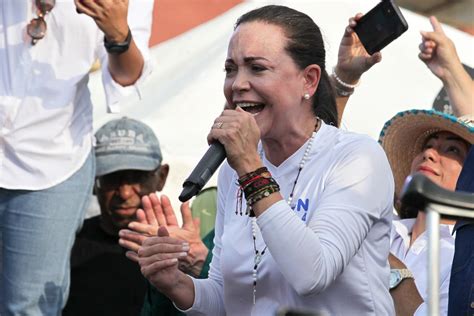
<point x="307" y="216"/>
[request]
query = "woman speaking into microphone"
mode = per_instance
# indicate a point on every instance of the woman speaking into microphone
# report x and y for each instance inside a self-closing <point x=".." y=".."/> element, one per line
<point x="304" y="209"/>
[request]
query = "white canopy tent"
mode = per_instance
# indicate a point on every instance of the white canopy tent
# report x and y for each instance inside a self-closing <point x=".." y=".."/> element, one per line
<point x="184" y="94"/>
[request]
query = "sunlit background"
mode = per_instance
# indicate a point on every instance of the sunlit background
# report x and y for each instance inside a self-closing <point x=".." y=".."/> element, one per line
<point x="189" y="44"/>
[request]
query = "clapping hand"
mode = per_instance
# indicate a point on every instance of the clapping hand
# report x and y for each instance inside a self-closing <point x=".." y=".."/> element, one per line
<point x="158" y="259"/>
<point x="158" y="212"/>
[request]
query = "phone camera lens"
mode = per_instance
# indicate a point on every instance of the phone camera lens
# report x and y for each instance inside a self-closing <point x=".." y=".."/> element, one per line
<point x="389" y="11"/>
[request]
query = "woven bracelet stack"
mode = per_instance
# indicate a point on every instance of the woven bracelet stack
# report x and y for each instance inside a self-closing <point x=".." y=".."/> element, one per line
<point x="257" y="185"/>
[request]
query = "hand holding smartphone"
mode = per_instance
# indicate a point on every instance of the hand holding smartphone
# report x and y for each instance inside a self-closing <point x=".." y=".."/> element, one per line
<point x="380" y="26"/>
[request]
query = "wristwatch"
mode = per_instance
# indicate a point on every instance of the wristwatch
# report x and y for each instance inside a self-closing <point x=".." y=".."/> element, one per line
<point x="398" y="275"/>
<point x="118" y="48"/>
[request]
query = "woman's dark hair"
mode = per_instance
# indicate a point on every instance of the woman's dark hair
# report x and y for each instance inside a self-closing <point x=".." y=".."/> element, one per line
<point x="305" y="47"/>
<point x="404" y="211"/>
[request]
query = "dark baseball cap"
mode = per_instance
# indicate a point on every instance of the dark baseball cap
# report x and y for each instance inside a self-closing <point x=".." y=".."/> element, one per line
<point x="124" y="144"/>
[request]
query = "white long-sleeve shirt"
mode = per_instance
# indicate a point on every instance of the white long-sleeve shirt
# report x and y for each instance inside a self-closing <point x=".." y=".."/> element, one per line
<point x="329" y="254"/>
<point x="45" y="106"/>
<point x="416" y="259"/>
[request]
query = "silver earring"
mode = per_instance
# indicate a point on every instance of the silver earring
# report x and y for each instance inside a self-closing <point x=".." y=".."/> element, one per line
<point x="306" y="96"/>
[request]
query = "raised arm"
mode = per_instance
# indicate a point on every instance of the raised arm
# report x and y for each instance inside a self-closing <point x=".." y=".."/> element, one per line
<point x="352" y="61"/>
<point x="111" y="17"/>
<point x="439" y="54"/>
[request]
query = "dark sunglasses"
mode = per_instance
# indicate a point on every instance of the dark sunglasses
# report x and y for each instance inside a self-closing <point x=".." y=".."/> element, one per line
<point x="131" y="177"/>
<point x="37" y="27"/>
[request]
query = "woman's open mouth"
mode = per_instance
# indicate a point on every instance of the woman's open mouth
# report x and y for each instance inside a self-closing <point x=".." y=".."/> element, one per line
<point x="250" y="107"/>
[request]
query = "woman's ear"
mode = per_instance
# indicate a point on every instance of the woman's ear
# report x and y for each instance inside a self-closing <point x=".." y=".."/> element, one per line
<point x="311" y="76"/>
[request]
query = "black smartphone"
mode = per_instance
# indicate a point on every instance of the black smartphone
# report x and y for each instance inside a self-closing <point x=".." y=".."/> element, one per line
<point x="380" y="26"/>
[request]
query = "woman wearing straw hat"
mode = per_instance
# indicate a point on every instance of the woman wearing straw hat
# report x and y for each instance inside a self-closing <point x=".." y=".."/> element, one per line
<point x="435" y="144"/>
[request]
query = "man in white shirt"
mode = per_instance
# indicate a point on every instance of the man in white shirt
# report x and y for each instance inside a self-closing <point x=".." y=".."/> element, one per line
<point x="47" y="48"/>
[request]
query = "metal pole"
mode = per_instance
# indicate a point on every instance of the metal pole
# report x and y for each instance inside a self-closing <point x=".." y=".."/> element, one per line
<point x="432" y="221"/>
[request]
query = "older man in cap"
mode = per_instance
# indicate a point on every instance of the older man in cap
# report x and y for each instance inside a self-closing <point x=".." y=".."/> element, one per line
<point x="129" y="165"/>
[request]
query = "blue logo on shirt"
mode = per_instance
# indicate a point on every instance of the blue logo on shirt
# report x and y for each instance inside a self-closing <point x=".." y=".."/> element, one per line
<point x="301" y="206"/>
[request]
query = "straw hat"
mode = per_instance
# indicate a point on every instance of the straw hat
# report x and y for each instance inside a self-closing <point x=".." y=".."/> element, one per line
<point x="404" y="135"/>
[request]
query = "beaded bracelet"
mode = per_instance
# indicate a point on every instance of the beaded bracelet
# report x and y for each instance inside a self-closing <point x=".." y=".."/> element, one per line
<point x="342" y="83"/>
<point x="262" y="193"/>
<point x="251" y="198"/>
<point x="343" y="93"/>
<point x="259" y="196"/>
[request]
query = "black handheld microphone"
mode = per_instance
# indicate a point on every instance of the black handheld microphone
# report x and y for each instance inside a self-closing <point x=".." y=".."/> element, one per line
<point x="203" y="171"/>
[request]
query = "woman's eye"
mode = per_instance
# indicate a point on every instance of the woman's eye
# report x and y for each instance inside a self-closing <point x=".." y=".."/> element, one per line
<point x="258" y="68"/>
<point x="228" y="69"/>
<point x="453" y="149"/>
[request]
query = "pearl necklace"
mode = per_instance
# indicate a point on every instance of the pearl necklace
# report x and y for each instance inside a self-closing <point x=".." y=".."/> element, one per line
<point x="259" y="254"/>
